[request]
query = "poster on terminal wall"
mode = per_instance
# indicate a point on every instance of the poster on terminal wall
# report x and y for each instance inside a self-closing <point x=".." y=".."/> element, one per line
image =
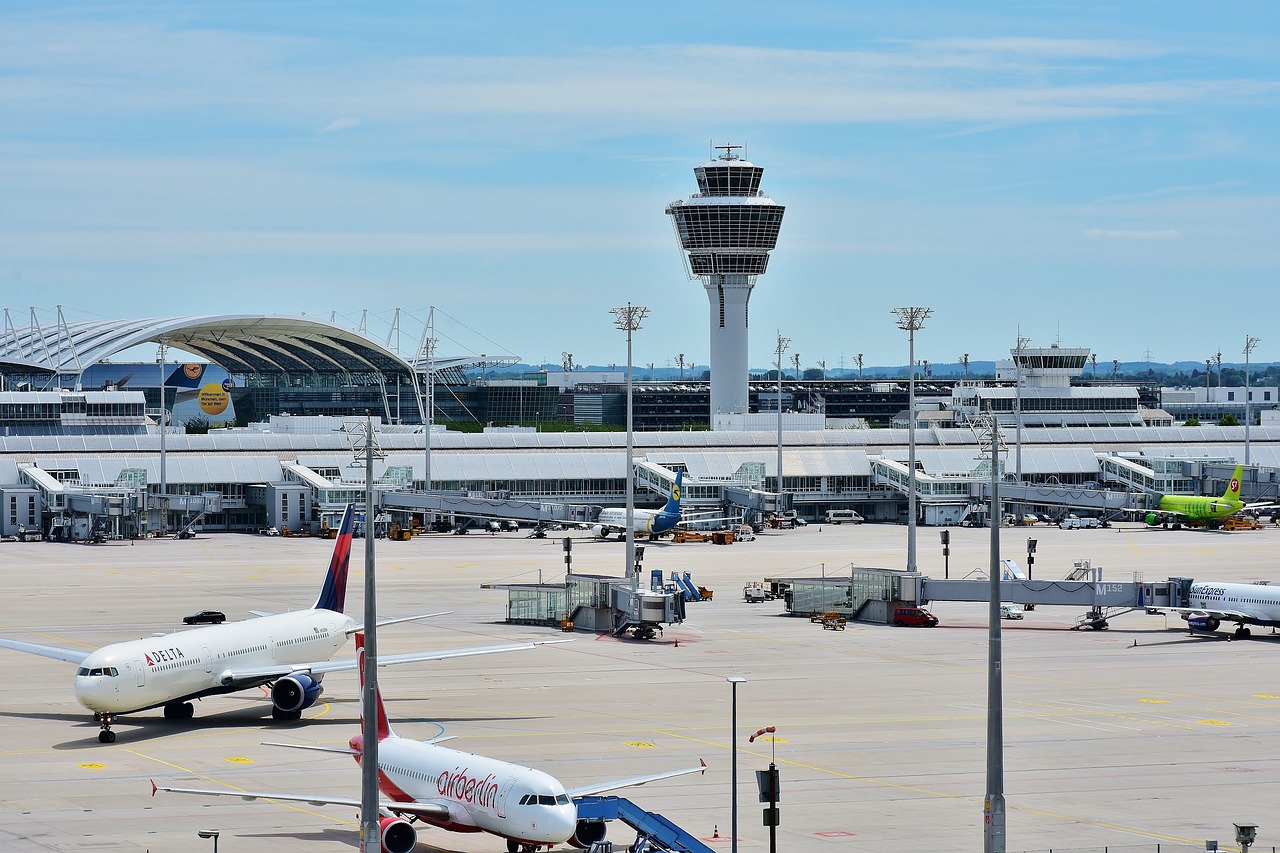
<point x="197" y="390"/>
<point x="203" y="391"/>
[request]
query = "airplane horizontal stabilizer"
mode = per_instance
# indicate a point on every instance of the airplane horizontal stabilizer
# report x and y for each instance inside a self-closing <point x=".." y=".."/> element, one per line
<point x="356" y="629"/>
<point x="601" y="787"/>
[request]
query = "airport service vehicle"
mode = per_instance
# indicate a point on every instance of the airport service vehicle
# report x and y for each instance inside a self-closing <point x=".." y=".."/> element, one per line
<point x="1211" y="603"/>
<point x="1075" y="522"/>
<point x="915" y="617"/>
<point x="1177" y="510"/>
<point x="458" y="791"/>
<point x="287" y="652"/>
<point x="651" y="522"/>
<point x="1010" y="611"/>
<point x="843" y="516"/>
<point x="205" y="617"/>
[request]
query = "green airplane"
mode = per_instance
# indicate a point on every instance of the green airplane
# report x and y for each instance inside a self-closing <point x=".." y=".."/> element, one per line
<point x="1199" y="509"/>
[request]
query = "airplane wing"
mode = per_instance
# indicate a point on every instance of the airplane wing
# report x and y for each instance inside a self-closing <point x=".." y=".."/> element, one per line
<point x="322" y="667"/>
<point x="435" y="811"/>
<point x="358" y="628"/>
<point x="601" y="787"/>
<point x="1220" y="615"/>
<point x="54" y="652"/>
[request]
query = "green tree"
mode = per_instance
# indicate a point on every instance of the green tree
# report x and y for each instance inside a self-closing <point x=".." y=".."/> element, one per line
<point x="1192" y="422"/>
<point x="1228" y="420"/>
<point x="196" y="425"/>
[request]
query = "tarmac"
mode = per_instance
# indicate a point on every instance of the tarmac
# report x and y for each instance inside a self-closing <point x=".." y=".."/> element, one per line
<point x="1128" y="738"/>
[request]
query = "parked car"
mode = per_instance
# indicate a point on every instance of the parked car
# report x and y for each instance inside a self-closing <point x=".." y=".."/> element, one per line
<point x="915" y="617"/>
<point x="205" y="617"/>
<point x="1010" y="611"/>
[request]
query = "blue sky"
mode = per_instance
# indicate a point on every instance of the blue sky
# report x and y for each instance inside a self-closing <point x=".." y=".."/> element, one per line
<point x="1101" y="173"/>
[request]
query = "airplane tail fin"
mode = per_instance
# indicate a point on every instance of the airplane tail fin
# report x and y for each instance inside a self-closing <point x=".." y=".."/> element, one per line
<point x="1233" y="488"/>
<point x="333" y="595"/>
<point x="384" y="727"/>
<point x="673" y="503"/>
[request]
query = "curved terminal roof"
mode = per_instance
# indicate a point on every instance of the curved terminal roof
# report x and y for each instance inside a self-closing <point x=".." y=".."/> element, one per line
<point x="240" y="343"/>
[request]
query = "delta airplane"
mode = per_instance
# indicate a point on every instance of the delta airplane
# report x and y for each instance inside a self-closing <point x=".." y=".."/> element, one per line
<point x="289" y="652"/>
<point x="458" y="791"/>
<point x="1200" y="509"/>
<point x="1211" y="603"/>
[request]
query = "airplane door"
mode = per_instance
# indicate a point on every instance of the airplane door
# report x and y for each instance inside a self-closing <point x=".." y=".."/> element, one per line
<point x="208" y="660"/>
<point x="271" y="641"/>
<point x="140" y="672"/>
<point x="500" y="807"/>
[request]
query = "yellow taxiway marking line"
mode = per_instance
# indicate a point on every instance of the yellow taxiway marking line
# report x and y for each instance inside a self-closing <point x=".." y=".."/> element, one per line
<point x="233" y="788"/>
<point x="975" y="800"/>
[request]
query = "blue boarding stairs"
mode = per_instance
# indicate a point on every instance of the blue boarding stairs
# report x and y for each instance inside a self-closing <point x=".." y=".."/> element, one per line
<point x="655" y="832"/>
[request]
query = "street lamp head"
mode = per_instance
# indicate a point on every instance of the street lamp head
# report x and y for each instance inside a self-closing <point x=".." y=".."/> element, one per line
<point x="735" y="679"/>
<point x="912" y="319"/>
<point x="208" y="833"/>
<point x="630" y="317"/>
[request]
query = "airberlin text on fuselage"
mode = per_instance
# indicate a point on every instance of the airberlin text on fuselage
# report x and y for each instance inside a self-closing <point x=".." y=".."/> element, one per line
<point x="164" y="656"/>
<point x="466" y="788"/>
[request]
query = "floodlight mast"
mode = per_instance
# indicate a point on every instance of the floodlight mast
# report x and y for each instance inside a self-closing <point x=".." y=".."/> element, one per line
<point x="629" y="319"/>
<point x="783" y="343"/>
<point x="910" y="320"/>
<point x="993" y="803"/>
<point x="1249" y="345"/>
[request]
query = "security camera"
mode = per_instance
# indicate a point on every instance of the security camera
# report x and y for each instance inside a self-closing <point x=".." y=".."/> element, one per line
<point x="1246" y="833"/>
<point x="207" y="833"/>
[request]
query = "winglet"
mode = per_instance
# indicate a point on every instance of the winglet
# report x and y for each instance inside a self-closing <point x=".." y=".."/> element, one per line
<point x="704" y="766"/>
<point x="333" y="595"/>
<point x="384" y="727"/>
<point x="153" y="786"/>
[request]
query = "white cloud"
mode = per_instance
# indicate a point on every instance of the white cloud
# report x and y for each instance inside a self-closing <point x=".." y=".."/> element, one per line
<point x="341" y="124"/>
<point x="1132" y="234"/>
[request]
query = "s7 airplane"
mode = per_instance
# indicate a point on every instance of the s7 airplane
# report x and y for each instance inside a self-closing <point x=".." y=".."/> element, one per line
<point x="1200" y="509"/>
<point x="458" y="791"/>
<point x="290" y="652"/>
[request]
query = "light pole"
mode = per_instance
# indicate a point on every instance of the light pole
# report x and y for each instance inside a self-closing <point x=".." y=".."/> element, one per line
<point x="783" y="343"/>
<point x="1017" y="411"/>
<point x="1249" y="344"/>
<point x="993" y="808"/>
<point x="164" y="477"/>
<point x="427" y="348"/>
<point x="370" y="828"/>
<point x="210" y="833"/>
<point x="734" y="681"/>
<point x="629" y="319"/>
<point x="910" y="320"/>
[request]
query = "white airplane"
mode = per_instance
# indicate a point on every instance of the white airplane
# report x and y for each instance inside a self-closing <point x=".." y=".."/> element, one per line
<point x="458" y="791"/>
<point x="649" y="522"/>
<point x="289" y="651"/>
<point x="1211" y="603"/>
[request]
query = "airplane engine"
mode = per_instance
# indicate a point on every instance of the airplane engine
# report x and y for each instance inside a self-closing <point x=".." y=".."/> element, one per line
<point x="397" y="835"/>
<point x="1151" y="519"/>
<point x="294" y="692"/>
<point x="588" y="832"/>
<point x="601" y="531"/>
<point x="1202" y="622"/>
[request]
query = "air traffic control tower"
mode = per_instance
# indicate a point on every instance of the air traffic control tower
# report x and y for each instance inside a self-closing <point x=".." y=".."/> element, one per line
<point x="726" y="231"/>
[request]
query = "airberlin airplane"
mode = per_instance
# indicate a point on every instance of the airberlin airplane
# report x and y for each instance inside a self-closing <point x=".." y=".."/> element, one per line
<point x="458" y="791"/>
<point x="290" y="652"/>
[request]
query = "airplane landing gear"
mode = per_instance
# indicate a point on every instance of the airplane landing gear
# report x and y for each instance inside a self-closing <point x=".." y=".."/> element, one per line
<point x="282" y="715"/>
<point x="179" y="711"/>
<point x="106" y="735"/>
<point x="1242" y="632"/>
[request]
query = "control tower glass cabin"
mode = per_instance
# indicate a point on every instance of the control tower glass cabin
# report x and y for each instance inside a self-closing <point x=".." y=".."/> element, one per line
<point x="726" y="232"/>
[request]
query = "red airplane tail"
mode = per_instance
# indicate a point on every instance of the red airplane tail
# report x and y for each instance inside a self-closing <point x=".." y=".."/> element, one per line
<point x="384" y="727"/>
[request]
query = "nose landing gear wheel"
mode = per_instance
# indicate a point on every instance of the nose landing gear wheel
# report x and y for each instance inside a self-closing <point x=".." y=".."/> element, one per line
<point x="106" y="735"/>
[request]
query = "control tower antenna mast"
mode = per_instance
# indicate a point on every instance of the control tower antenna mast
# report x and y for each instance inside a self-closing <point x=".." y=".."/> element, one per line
<point x="726" y="231"/>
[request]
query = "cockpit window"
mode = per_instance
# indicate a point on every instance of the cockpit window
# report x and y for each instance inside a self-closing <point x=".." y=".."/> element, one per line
<point x="546" y="800"/>
<point x="98" y="670"/>
<point x="562" y="799"/>
<point x="528" y="799"/>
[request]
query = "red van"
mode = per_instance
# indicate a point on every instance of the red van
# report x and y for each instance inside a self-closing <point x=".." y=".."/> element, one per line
<point x="916" y="617"/>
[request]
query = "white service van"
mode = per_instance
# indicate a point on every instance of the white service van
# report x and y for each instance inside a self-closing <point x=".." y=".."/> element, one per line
<point x="843" y="516"/>
<point x="1010" y="611"/>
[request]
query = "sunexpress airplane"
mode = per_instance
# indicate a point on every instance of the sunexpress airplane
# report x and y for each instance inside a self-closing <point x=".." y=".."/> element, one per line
<point x="1177" y="510"/>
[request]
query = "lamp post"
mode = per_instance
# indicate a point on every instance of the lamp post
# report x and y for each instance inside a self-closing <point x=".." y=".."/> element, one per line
<point x="993" y="838"/>
<point x="911" y="320"/>
<point x="370" y="828"/>
<point x="629" y="319"/>
<point x="164" y="425"/>
<point x="783" y="343"/>
<point x="1017" y="411"/>
<point x="1249" y="344"/>
<point x="734" y="681"/>
<point x="210" y="833"/>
